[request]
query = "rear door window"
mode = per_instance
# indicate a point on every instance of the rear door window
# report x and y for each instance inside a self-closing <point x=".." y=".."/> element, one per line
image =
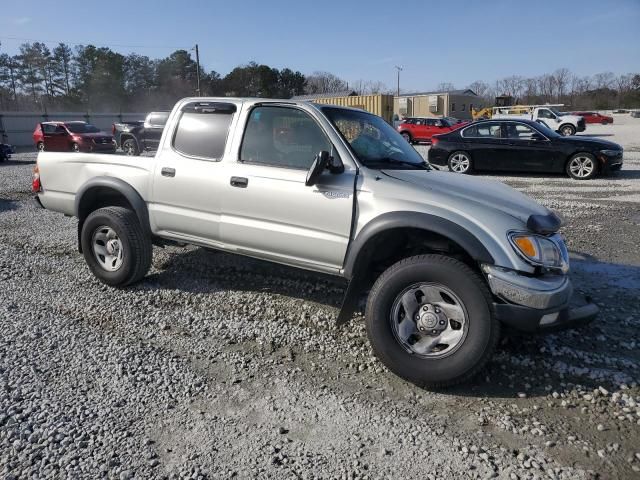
<point x="203" y="128"/>
<point x="483" y="130"/>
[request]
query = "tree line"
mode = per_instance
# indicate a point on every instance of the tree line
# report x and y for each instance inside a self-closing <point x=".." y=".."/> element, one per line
<point x="99" y="79"/>
<point x="601" y="91"/>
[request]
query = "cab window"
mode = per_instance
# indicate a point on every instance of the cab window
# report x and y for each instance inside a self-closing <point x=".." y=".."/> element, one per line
<point x="544" y="113"/>
<point x="282" y="137"/>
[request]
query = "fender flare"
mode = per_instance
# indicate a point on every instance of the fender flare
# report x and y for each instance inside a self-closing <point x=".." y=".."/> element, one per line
<point x="126" y="190"/>
<point x="422" y="221"/>
<point x="392" y="220"/>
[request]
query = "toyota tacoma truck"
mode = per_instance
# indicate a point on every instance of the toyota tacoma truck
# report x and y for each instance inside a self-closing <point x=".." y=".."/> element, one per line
<point x="447" y="260"/>
<point x="136" y="137"/>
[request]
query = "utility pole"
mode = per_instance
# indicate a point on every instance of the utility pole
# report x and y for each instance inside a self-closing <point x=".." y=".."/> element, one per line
<point x="198" y="70"/>
<point x="399" y="68"/>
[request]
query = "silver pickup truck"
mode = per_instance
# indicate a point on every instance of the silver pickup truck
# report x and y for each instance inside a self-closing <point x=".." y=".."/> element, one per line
<point x="445" y="259"/>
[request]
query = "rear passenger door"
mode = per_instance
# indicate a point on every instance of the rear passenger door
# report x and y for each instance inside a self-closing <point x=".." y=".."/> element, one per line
<point x="268" y="211"/>
<point x="486" y="145"/>
<point x="189" y="177"/>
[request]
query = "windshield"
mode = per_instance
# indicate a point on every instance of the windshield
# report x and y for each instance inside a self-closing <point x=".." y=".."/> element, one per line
<point x="374" y="142"/>
<point x="545" y="130"/>
<point x="81" y="128"/>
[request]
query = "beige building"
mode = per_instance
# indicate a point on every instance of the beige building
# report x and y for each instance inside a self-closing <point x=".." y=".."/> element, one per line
<point x="378" y="104"/>
<point x="455" y="103"/>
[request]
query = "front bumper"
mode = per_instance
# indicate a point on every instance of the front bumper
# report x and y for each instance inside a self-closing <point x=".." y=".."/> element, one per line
<point x="533" y="304"/>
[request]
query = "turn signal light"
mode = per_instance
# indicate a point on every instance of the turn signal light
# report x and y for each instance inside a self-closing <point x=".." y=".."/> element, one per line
<point x="35" y="183"/>
<point x="527" y="246"/>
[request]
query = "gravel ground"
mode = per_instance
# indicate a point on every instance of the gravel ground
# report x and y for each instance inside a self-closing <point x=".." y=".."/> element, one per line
<point x="217" y="366"/>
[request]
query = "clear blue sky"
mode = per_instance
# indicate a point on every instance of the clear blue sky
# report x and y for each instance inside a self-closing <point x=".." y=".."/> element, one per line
<point x="455" y="41"/>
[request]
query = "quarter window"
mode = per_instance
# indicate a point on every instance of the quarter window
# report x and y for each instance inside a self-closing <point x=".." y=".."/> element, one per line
<point x="282" y="137"/>
<point x="203" y="128"/>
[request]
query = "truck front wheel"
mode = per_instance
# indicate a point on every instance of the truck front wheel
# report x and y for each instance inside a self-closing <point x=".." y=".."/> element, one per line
<point x="429" y="321"/>
<point x="115" y="246"/>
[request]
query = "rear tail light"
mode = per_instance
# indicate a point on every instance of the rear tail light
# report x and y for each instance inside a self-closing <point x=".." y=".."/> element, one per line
<point x="36" y="186"/>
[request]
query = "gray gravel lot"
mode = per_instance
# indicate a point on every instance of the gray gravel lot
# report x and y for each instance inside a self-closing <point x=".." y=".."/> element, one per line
<point x="218" y="366"/>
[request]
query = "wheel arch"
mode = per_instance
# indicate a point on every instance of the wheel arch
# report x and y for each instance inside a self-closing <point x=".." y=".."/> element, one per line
<point x="401" y="233"/>
<point x="109" y="191"/>
<point x="129" y="136"/>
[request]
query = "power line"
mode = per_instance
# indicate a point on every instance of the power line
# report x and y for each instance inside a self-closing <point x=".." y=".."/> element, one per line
<point x="116" y="45"/>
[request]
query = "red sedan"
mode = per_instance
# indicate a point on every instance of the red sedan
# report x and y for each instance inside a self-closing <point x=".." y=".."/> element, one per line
<point x="595" y="117"/>
<point x="72" y="136"/>
<point x="416" y="129"/>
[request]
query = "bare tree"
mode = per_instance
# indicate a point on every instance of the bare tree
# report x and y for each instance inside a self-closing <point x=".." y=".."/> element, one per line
<point x="603" y="80"/>
<point x="445" y="87"/>
<point x="561" y="79"/>
<point x="325" y="82"/>
<point x="481" y="89"/>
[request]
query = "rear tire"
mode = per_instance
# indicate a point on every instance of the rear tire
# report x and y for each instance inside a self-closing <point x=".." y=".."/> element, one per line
<point x="75" y="147"/>
<point x="130" y="147"/>
<point x="437" y="367"/>
<point x="40" y="146"/>
<point x="115" y="246"/>
<point x="582" y="166"/>
<point x="460" y="162"/>
<point x="567" y="130"/>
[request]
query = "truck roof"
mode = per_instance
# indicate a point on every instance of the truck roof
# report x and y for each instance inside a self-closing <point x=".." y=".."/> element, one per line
<point x="258" y="100"/>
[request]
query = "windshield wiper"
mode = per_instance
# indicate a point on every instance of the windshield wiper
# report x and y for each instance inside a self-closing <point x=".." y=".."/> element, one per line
<point x="423" y="166"/>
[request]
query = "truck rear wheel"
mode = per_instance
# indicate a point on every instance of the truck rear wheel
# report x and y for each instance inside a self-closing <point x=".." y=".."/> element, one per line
<point x="429" y="321"/>
<point x="115" y="246"/>
<point x="130" y="147"/>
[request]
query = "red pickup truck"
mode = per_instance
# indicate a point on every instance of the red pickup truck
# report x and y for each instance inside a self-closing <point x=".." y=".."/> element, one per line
<point x="421" y="129"/>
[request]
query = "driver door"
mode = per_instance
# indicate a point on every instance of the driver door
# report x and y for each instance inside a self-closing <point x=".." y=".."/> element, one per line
<point x="549" y="118"/>
<point x="268" y="211"/>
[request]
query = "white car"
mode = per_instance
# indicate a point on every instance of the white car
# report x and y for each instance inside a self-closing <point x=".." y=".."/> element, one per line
<point x="555" y="120"/>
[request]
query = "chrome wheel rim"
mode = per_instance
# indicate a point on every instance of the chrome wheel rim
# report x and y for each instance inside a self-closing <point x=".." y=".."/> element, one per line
<point x="581" y="167"/>
<point x="75" y="147"/>
<point x="429" y="321"/>
<point x="41" y="147"/>
<point x="460" y="163"/>
<point x="128" y="149"/>
<point x="566" y="131"/>
<point x="107" y="248"/>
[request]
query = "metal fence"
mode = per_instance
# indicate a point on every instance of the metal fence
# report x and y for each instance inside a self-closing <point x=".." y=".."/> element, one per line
<point x="17" y="128"/>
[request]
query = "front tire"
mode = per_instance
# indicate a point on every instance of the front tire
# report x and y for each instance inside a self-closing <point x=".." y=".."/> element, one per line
<point x="582" y="166"/>
<point x="429" y="321"/>
<point x="115" y="246"/>
<point x="567" y="130"/>
<point x="460" y="162"/>
<point x="130" y="147"/>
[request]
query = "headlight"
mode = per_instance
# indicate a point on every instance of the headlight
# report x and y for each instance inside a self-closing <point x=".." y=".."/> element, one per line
<point x="610" y="153"/>
<point x="541" y="251"/>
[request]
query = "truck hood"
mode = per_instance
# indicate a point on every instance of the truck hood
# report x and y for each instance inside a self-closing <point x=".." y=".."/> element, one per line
<point x="473" y="192"/>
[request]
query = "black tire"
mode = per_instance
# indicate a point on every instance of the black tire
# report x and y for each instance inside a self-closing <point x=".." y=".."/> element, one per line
<point x="589" y="163"/>
<point x="40" y="146"/>
<point x="455" y="163"/>
<point x="130" y="147"/>
<point x="407" y="137"/>
<point x="136" y="245"/>
<point x="477" y="346"/>
<point x="75" y="147"/>
<point x="567" y="130"/>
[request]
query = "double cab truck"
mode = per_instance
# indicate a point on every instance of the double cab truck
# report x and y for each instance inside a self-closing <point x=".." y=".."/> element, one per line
<point x="565" y="124"/>
<point x="140" y="136"/>
<point x="447" y="260"/>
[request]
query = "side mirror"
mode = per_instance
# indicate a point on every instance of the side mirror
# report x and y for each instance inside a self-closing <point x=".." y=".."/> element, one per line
<point x="322" y="162"/>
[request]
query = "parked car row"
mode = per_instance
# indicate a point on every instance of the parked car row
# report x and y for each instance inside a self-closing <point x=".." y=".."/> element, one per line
<point x="77" y="136"/>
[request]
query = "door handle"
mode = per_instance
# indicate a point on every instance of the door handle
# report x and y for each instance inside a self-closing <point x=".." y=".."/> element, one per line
<point x="240" y="182"/>
<point x="168" y="172"/>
